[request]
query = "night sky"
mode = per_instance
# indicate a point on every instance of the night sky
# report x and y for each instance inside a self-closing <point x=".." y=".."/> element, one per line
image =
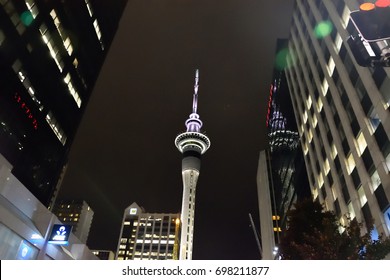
<point x="124" y="150"/>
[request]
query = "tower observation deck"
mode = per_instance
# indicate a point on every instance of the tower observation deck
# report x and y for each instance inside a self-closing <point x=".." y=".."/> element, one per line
<point x="192" y="144"/>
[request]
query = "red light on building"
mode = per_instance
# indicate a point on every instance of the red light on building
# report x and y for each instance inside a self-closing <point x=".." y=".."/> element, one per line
<point x="269" y="105"/>
<point x="26" y="110"/>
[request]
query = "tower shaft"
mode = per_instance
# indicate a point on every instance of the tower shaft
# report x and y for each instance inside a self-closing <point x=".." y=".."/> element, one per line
<point x="190" y="178"/>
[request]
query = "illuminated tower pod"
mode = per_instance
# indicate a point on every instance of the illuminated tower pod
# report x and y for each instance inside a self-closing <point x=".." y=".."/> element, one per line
<point x="192" y="144"/>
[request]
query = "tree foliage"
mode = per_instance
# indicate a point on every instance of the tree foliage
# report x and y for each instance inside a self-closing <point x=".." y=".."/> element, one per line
<point x="314" y="234"/>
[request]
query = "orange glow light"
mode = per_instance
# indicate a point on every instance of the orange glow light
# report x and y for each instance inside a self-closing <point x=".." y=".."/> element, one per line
<point x="367" y="6"/>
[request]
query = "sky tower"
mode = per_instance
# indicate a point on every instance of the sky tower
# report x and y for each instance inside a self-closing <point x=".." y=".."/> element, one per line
<point x="192" y="144"/>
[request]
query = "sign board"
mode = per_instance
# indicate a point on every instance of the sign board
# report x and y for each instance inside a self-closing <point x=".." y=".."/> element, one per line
<point x="60" y="234"/>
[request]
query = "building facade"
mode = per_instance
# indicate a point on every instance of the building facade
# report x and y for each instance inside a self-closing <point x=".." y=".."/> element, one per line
<point x="51" y="52"/>
<point x="282" y="177"/>
<point x="76" y="213"/>
<point x="342" y="112"/>
<point x="104" y="255"/>
<point x="27" y="226"/>
<point x="148" y="236"/>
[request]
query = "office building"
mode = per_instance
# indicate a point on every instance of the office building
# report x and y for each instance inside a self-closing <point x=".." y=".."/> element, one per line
<point x="192" y="144"/>
<point x="28" y="228"/>
<point x="148" y="236"/>
<point x="76" y="213"/>
<point x="104" y="255"/>
<point x="51" y="52"/>
<point x="282" y="177"/>
<point x="342" y="112"/>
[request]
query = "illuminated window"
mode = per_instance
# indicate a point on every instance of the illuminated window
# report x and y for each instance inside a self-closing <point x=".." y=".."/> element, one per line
<point x="345" y="17"/>
<point x="22" y="75"/>
<point x="333" y="151"/>
<point x="305" y="148"/>
<point x="375" y="180"/>
<point x="334" y="194"/>
<point x="309" y="102"/>
<point x="97" y="29"/>
<point x="89" y="7"/>
<point x="350" y="163"/>
<point x="326" y="206"/>
<point x="362" y="196"/>
<point x="315" y="193"/>
<point x="319" y="104"/>
<point x="72" y="90"/>
<point x="304" y="117"/>
<point x="65" y="39"/>
<point x="338" y="42"/>
<point x="56" y="129"/>
<point x="32" y="8"/>
<point x="361" y="141"/>
<point x="325" y="87"/>
<point x="98" y="32"/>
<point x="75" y="63"/>
<point x="326" y="166"/>
<point x="278" y="229"/>
<point x="309" y="135"/>
<point x="54" y="52"/>
<point x="314" y="122"/>
<point x="320" y="180"/>
<point x="351" y="211"/>
<point x="331" y="66"/>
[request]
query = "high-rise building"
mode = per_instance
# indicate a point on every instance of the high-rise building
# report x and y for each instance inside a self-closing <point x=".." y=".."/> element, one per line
<point x="51" y="53"/>
<point x="282" y="177"/>
<point x="342" y="112"/>
<point x="148" y="236"/>
<point x="192" y="144"/>
<point x="76" y="213"/>
<point x="104" y="254"/>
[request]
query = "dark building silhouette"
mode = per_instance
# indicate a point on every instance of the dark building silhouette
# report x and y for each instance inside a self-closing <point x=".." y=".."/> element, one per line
<point x="282" y="176"/>
<point x="51" y="53"/>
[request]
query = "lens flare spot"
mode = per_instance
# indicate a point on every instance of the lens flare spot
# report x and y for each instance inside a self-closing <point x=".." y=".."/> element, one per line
<point x="323" y="29"/>
<point x="27" y="18"/>
<point x="284" y="59"/>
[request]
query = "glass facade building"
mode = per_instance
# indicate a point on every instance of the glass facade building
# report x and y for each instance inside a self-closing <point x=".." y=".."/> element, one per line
<point x="342" y="112"/>
<point x="50" y="56"/>
<point x="282" y="177"/>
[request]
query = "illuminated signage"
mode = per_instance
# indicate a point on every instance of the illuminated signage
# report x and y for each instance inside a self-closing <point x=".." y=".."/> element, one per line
<point x="26" y="110"/>
<point x="26" y="251"/>
<point x="60" y="234"/>
<point x="133" y="211"/>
